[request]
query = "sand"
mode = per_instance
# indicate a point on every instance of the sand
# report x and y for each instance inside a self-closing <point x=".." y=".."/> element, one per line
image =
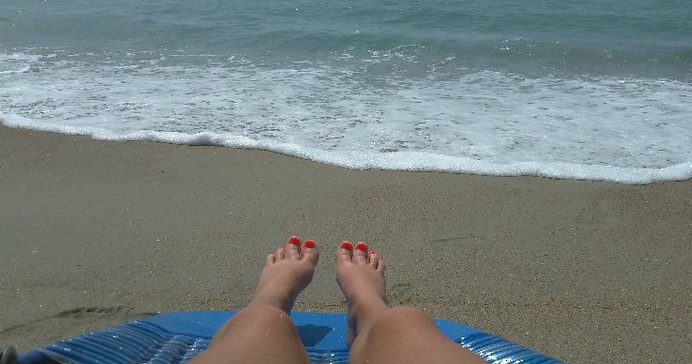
<point x="94" y="233"/>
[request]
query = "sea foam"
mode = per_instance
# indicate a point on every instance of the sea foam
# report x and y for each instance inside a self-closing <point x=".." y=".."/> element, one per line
<point x="630" y="130"/>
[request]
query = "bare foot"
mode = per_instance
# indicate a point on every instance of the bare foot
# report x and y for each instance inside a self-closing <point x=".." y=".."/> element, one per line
<point x="360" y="274"/>
<point x="286" y="273"/>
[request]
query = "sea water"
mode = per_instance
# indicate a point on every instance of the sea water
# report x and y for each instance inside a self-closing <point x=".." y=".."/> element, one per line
<point x="589" y="89"/>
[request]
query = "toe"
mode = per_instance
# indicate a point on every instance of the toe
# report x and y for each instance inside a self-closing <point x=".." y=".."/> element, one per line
<point x="293" y="248"/>
<point x="310" y="251"/>
<point x="271" y="258"/>
<point x="360" y="254"/>
<point x="280" y="253"/>
<point x="294" y="240"/>
<point x="374" y="259"/>
<point x="345" y="253"/>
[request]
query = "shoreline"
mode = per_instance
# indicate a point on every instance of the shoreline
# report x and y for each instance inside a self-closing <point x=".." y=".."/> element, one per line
<point x="680" y="172"/>
<point x="96" y="233"/>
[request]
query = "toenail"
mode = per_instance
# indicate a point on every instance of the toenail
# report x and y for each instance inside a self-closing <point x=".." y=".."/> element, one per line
<point x="346" y="245"/>
<point x="309" y="244"/>
<point x="362" y="247"/>
<point x="294" y="240"/>
<point x="372" y="252"/>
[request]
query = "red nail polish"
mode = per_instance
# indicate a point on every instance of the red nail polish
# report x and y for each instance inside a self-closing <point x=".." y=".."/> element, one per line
<point x="346" y="245"/>
<point x="372" y="252"/>
<point x="294" y="240"/>
<point x="362" y="246"/>
<point x="310" y="244"/>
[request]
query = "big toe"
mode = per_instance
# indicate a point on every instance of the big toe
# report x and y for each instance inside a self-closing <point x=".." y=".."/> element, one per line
<point x="344" y="254"/>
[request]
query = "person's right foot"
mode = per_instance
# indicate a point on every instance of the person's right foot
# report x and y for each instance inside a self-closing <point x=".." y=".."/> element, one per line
<point x="360" y="274"/>
<point x="286" y="273"/>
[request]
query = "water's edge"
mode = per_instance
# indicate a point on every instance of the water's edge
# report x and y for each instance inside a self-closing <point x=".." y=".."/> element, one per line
<point x="445" y="164"/>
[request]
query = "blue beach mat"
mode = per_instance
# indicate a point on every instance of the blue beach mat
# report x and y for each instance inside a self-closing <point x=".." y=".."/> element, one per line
<point x="178" y="337"/>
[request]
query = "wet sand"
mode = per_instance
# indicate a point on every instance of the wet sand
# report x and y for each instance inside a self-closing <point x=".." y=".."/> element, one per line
<point x="94" y="233"/>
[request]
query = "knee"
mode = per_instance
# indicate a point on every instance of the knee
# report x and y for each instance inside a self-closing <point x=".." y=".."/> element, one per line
<point x="402" y="318"/>
<point x="262" y="316"/>
<point x="258" y="318"/>
<point x="406" y="313"/>
<point x="265" y="312"/>
<point x="399" y="327"/>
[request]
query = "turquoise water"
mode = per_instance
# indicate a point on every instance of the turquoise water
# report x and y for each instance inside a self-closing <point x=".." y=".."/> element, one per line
<point x="586" y="90"/>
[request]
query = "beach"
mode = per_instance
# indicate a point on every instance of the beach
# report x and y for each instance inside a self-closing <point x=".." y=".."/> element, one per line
<point x="95" y="233"/>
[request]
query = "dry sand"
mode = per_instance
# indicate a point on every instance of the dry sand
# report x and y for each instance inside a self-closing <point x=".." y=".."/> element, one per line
<point x="95" y="233"/>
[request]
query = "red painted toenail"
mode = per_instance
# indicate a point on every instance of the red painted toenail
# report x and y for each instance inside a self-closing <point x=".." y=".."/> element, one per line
<point x="309" y="244"/>
<point x="347" y="245"/>
<point x="362" y="246"/>
<point x="373" y="252"/>
<point x="294" y="240"/>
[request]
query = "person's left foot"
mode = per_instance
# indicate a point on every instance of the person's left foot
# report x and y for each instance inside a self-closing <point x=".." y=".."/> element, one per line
<point x="286" y="273"/>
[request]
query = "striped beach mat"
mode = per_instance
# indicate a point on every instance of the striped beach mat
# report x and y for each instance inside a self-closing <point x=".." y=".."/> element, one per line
<point x="179" y="336"/>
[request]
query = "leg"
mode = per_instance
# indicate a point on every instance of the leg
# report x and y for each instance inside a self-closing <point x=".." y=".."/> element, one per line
<point x="378" y="333"/>
<point x="263" y="332"/>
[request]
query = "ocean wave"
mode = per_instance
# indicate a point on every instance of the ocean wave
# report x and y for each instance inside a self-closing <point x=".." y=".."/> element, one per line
<point x="404" y="161"/>
<point x="363" y="113"/>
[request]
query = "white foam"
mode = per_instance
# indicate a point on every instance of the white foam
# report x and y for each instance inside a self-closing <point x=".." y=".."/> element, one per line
<point x="624" y="130"/>
<point x="16" y="63"/>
